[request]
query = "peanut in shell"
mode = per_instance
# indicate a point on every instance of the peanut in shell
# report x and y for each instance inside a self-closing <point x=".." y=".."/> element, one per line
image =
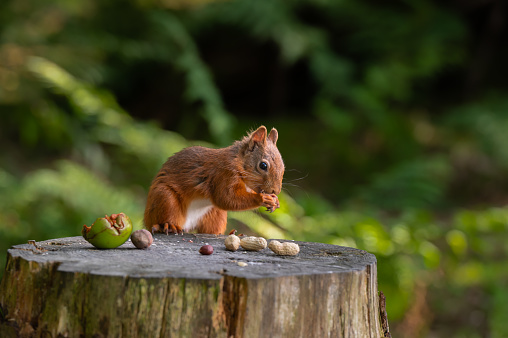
<point x="284" y="249"/>
<point x="232" y="242"/>
<point x="252" y="243"/>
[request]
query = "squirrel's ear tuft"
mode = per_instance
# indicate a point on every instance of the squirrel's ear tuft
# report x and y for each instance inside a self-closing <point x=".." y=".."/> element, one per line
<point x="273" y="136"/>
<point x="258" y="137"/>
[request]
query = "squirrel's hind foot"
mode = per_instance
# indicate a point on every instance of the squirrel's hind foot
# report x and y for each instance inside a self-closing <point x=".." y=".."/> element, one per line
<point x="167" y="228"/>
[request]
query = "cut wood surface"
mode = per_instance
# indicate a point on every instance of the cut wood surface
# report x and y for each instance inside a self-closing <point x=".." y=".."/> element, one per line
<point x="67" y="287"/>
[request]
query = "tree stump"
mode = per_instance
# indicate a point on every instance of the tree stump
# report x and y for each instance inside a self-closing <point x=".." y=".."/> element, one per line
<point x="67" y="287"/>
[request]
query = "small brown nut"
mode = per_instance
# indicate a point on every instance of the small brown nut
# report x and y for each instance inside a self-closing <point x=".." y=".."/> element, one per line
<point x="232" y="242"/>
<point x="252" y="243"/>
<point x="284" y="249"/>
<point x="141" y="239"/>
<point x="206" y="250"/>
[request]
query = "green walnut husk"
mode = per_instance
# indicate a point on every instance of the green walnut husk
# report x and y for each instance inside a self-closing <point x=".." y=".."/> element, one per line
<point x="108" y="232"/>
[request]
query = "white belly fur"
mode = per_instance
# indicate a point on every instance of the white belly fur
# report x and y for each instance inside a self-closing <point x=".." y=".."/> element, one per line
<point x="197" y="209"/>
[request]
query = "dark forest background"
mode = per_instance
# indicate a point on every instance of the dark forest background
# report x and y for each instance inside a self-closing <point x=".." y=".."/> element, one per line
<point x="392" y="119"/>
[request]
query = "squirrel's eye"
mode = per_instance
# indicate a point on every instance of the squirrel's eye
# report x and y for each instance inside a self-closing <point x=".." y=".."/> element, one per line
<point x="263" y="165"/>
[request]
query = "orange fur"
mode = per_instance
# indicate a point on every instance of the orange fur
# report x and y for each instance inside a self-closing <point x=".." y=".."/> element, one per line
<point x="197" y="186"/>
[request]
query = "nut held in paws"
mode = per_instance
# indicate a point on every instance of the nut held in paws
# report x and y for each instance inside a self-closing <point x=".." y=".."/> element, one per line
<point x="142" y="239"/>
<point x="206" y="250"/>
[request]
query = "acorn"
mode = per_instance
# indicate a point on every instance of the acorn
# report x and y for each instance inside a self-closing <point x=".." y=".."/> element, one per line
<point x="108" y="232"/>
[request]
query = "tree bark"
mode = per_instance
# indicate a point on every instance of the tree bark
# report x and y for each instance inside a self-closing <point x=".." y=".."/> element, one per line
<point x="67" y="287"/>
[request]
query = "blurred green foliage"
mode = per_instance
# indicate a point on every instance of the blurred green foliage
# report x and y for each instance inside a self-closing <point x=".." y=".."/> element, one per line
<point x="392" y="129"/>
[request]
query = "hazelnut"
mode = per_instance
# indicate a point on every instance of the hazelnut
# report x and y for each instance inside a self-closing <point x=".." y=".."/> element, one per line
<point x="142" y="239"/>
<point x="206" y="250"/>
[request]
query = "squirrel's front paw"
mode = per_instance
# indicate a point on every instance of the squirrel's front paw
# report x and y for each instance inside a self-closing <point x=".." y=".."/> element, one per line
<point x="271" y="202"/>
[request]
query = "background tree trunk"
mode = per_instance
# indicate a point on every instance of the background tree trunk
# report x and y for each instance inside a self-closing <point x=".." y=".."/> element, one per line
<point x="67" y="287"/>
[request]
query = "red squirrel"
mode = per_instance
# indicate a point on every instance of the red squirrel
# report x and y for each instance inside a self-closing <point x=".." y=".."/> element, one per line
<point x="197" y="186"/>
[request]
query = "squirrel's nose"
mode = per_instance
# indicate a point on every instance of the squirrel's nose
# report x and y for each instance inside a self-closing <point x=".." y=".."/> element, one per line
<point x="276" y="191"/>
